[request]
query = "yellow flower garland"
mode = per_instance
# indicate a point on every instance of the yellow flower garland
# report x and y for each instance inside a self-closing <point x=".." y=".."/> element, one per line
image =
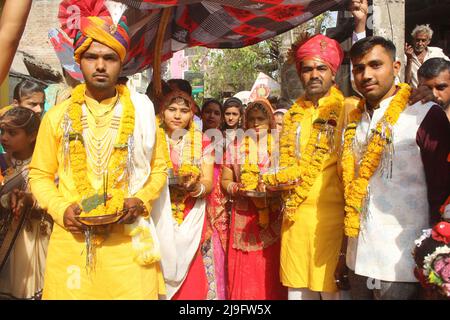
<point x="250" y="174"/>
<point x="356" y="184"/>
<point x="145" y="252"/>
<point x="192" y="153"/>
<point x="250" y="169"/>
<point x="162" y="137"/>
<point x="310" y="164"/>
<point x="118" y="159"/>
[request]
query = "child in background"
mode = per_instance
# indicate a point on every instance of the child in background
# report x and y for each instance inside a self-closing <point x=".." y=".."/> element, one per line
<point x="30" y="95"/>
<point x="24" y="227"/>
<point x="27" y="94"/>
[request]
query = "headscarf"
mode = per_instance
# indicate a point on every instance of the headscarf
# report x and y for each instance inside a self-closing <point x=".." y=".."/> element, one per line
<point x="168" y="98"/>
<point x="320" y="47"/>
<point x="267" y="107"/>
<point x="282" y="111"/>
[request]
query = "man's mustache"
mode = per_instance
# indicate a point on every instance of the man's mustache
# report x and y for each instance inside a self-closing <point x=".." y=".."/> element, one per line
<point x="369" y="83"/>
<point x="315" y="81"/>
<point x="96" y="74"/>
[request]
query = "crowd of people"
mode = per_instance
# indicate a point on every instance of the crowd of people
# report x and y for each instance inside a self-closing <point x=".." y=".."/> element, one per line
<point x="118" y="195"/>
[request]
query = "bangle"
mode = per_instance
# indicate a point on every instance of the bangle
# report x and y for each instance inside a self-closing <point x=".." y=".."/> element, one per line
<point x="232" y="188"/>
<point x="36" y="205"/>
<point x="229" y="186"/>
<point x="342" y="254"/>
<point x="200" y="193"/>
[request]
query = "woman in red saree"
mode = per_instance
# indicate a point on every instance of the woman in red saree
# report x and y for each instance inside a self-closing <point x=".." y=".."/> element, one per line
<point x="254" y="247"/>
<point x="187" y="267"/>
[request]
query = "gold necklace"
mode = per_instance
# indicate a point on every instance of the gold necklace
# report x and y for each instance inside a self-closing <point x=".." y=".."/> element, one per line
<point x="102" y="119"/>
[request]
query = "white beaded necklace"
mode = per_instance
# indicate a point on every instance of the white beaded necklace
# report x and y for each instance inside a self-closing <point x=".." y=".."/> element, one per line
<point x="99" y="149"/>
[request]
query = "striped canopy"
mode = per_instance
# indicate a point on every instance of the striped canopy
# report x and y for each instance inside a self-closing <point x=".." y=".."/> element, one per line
<point x="212" y="24"/>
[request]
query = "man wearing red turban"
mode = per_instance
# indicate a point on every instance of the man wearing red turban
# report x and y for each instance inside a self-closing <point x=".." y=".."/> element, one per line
<point x="312" y="228"/>
<point x="317" y="61"/>
<point x="321" y="48"/>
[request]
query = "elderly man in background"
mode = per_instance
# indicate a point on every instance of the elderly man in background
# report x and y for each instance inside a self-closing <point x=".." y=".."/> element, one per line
<point x="420" y="52"/>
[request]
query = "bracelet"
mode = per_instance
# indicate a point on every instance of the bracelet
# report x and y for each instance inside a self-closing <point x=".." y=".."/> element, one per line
<point x="229" y="187"/>
<point x="200" y="193"/>
<point x="342" y="254"/>
<point x="232" y="188"/>
<point x="36" y="205"/>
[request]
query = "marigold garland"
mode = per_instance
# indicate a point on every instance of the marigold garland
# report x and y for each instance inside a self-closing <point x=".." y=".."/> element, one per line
<point x="356" y="184"/>
<point x="145" y="252"/>
<point x="118" y="159"/>
<point x="191" y="159"/>
<point x="250" y="170"/>
<point x="250" y="173"/>
<point x="192" y="152"/>
<point x="307" y="168"/>
<point x="162" y="137"/>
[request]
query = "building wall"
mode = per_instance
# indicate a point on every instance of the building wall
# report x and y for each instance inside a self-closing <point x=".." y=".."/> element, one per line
<point x="43" y="16"/>
<point x="177" y="65"/>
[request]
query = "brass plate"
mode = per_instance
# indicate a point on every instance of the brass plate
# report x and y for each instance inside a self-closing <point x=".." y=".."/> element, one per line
<point x="101" y="220"/>
<point x="252" y="193"/>
<point x="282" y="187"/>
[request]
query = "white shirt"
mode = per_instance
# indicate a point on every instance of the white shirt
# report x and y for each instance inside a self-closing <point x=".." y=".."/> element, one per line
<point x="432" y="52"/>
<point x="397" y="207"/>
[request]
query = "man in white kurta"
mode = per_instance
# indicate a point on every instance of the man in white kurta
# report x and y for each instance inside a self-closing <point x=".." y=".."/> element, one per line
<point x="380" y="260"/>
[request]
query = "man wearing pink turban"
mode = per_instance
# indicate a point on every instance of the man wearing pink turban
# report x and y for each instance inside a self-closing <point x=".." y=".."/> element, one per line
<point x="312" y="228"/>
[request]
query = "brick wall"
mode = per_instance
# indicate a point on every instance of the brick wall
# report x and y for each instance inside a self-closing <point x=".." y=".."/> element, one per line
<point x="43" y="16"/>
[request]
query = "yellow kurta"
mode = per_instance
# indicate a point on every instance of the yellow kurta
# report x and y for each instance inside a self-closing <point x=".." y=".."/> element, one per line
<point x="310" y="246"/>
<point x="116" y="275"/>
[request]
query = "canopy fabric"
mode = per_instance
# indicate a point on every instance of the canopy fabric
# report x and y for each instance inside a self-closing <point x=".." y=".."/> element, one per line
<point x="211" y="24"/>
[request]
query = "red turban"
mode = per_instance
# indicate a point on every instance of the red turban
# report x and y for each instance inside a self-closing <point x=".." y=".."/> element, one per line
<point x="322" y="47"/>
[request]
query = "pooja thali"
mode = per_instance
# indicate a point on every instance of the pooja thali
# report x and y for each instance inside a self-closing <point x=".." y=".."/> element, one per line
<point x="101" y="220"/>
<point x="282" y="187"/>
<point x="252" y="193"/>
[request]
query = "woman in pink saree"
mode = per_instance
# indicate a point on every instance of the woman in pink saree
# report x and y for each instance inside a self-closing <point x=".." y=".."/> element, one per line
<point x="217" y="216"/>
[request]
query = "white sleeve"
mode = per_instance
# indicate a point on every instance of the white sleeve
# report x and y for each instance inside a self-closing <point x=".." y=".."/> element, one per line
<point x="358" y="36"/>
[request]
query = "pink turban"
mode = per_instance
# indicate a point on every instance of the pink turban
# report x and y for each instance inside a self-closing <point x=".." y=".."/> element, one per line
<point x="322" y="47"/>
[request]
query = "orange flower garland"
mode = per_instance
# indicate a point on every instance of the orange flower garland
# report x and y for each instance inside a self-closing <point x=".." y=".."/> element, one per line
<point x="191" y="157"/>
<point x="250" y="169"/>
<point x="117" y="162"/>
<point x="311" y="162"/>
<point x="356" y="184"/>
